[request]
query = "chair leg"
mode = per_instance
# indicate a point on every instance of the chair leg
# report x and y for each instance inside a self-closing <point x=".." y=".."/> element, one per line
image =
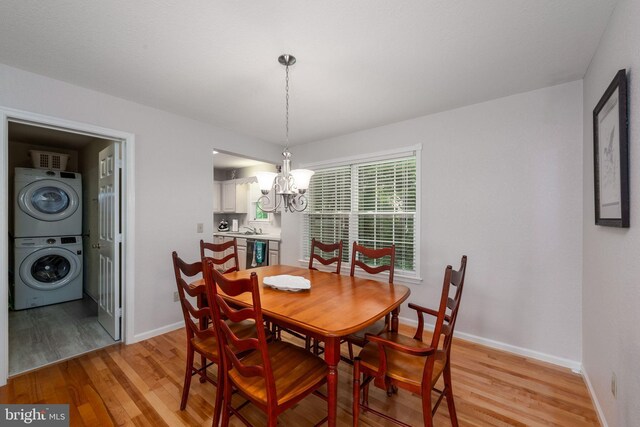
<point x="449" y="395"/>
<point x="187" y="378"/>
<point x="356" y="391"/>
<point x="203" y="373"/>
<point x="219" y="392"/>
<point x="365" y="395"/>
<point x="426" y="408"/>
<point x="307" y="343"/>
<point x="226" y="401"/>
<point x="350" y="351"/>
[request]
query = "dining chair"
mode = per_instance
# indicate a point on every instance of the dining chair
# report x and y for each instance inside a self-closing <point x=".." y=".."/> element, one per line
<point x="218" y="254"/>
<point x="326" y="248"/>
<point x="201" y="338"/>
<point x="378" y="265"/>
<point x="393" y="360"/>
<point x="323" y="248"/>
<point x="275" y="375"/>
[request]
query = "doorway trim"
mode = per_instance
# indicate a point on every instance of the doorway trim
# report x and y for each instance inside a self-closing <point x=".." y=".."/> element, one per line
<point x="128" y="219"/>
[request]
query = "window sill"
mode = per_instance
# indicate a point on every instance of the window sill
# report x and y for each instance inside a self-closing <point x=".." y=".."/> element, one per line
<point x="346" y="270"/>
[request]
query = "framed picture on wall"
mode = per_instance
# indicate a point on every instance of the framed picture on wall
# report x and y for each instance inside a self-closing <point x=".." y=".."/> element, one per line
<point x="611" y="155"/>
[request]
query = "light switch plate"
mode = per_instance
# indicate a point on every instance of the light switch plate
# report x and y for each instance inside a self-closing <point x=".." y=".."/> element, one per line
<point x="200" y="227"/>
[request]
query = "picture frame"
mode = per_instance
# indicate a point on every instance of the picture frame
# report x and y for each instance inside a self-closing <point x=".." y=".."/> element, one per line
<point x="611" y="155"/>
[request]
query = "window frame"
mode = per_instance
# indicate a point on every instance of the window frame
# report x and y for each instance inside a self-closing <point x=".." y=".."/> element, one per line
<point x="401" y="276"/>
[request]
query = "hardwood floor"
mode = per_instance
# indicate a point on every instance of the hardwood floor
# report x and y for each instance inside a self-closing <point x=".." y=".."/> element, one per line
<point x="141" y="384"/>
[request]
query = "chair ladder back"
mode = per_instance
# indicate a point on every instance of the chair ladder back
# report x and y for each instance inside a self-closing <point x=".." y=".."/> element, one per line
<point x="326" y="247"/>
<point x="442" y="308"/>
<point x="457" y="282"/>
<point x="218" y="250"/>
<point x="192" y="315"/>
<point x="231" y="344"/>
<point x="374" y="254"/>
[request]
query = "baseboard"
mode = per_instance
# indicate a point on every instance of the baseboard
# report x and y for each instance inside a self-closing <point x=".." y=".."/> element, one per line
<point x="559" y="361"/>
<point x="594" y="399"/>
<point x="158" y="331"/>
<point x="533" y="354"/>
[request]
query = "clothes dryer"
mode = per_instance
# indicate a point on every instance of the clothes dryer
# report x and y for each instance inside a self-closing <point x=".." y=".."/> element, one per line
<point x="47" y="203"/>
<point x="48" y="270"/>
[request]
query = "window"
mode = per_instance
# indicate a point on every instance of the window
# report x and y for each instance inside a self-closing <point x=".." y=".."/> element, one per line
<point x="260" y="215"/>
<point x="371" y="202"/>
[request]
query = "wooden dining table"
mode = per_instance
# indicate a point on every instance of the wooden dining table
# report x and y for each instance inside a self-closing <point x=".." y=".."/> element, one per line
<point x="334" y="307"/>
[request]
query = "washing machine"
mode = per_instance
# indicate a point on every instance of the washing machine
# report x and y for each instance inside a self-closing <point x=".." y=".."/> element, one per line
<point x="47" y="270"/>
<point x="47" y="203"/>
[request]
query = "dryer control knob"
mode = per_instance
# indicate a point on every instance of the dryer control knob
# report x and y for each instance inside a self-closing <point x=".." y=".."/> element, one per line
<point x="51" y="241"/>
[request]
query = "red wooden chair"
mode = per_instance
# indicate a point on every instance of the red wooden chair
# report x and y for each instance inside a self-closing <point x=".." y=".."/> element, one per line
<point x="358" y="254"/>
<point x="326" y="248"/>
<point x="393" y="360"/>
<point x="275" y="375"/>
<point x="201" y="339"/>
<point x="218" y="254"/>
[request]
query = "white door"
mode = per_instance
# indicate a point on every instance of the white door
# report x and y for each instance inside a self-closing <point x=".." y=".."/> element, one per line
<point x="110" y="239"/>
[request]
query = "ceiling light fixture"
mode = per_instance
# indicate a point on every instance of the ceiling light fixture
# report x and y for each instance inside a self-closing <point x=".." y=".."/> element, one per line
<point x="289" y="184"/>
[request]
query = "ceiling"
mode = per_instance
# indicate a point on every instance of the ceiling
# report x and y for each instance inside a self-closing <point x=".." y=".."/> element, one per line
<point x="361" y="63"/>
<point x="36" y="135"/>
<point x="230" y="161"/>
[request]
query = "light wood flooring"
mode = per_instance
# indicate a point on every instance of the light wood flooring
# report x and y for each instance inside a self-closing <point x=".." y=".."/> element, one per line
<point x="141" y="384"/>
<point x="43" y="335"/>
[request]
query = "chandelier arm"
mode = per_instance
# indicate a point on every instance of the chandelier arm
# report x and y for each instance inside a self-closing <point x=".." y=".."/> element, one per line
<point x="261" y="202"/>
<point x="299" y="203"/>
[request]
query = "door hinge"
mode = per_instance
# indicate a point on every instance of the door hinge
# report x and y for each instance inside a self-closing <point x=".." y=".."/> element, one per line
<point x="119" y="238"/>
<point x="118" y="312"/>
<point x="119" y="164"/>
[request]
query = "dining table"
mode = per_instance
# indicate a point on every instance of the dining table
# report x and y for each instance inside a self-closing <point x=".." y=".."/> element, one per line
<point x="334" y="307"/>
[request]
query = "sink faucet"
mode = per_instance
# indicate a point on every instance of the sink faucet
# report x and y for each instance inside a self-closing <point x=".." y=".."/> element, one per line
<point x="253" y="230"/>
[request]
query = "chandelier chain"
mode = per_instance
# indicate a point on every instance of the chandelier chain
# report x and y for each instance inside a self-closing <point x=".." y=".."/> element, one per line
<point x="287" y="103"/>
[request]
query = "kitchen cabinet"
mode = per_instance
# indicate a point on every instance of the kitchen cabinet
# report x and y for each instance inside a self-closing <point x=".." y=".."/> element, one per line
<point x="217" y="196"/>
<point x="234" y="197"/>
<point x="274" y="252"/>
<point x="242" y="254"/>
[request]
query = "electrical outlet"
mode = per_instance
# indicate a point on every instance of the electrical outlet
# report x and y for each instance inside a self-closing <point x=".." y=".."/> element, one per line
<point x="176" y="297"/>
<point x="200" y="227"/>
<point x="614" y="385"/>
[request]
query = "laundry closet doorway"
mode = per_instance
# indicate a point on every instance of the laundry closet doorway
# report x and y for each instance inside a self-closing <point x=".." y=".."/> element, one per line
<point x="50" y="320"/>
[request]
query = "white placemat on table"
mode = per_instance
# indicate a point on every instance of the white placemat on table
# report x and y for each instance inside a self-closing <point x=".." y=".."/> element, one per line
<point x="287" y="282"/>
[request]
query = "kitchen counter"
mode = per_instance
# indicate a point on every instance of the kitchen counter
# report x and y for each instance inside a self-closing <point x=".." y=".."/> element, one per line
<point x="240" y="235"/>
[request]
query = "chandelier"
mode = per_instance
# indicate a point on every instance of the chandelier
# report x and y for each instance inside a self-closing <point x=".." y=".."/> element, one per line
<point x="288" y="186"/>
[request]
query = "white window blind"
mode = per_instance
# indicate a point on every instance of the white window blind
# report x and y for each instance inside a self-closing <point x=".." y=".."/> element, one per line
<point x="373" y="203"/>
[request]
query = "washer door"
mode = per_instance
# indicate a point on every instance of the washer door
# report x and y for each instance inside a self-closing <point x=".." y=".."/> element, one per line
<point x="48" y="200"/>
<point x="49" y="269"/>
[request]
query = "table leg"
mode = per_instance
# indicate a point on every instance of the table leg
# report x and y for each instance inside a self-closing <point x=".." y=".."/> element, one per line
<point x="332" y="357"/>
<point x="394" y="320"/>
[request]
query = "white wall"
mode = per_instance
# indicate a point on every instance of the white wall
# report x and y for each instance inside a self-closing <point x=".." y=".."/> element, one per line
<point x="611" y="290"/>
<point x="501" y="182"/>
<point x="173" y="175"/>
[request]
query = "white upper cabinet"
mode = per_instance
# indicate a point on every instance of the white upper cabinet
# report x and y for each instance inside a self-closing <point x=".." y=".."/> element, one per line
<point x="217" y="196"/>
<point x="234" y="197"/>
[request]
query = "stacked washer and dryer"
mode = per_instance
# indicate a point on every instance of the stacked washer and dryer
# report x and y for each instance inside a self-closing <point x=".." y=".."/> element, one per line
<point x="48" y="237"/>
